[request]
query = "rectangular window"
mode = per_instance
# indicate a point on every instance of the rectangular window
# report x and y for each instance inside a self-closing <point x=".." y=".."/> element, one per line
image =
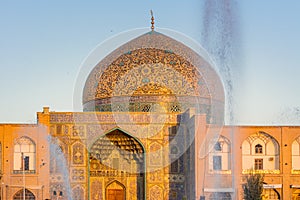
<point x="258" y="164"/>
<point x="217" y="162"/>
<point x="26" y="163"/>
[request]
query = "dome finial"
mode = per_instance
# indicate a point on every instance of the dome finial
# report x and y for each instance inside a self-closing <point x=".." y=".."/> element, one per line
<point x="152" y="21"/>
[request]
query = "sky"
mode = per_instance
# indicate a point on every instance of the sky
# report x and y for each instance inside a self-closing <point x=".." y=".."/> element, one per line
<point x="44" y="43"/>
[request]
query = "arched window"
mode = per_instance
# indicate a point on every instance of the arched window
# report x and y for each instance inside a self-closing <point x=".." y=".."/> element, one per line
<point x="24" y="155"/>
<point x="218" y="147"/>
<point x="260" y="151"/>
<point x="258" y="148"/>
<point x="219" y="157"/>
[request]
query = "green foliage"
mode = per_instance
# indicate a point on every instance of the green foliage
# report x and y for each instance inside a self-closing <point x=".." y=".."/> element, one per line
<point x="253" y="187"/>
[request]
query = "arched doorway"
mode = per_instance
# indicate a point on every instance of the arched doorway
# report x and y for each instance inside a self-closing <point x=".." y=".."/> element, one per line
<point x="115" y="191"/>
<point x="118" y="159"/>
<point x="20" y="195"/>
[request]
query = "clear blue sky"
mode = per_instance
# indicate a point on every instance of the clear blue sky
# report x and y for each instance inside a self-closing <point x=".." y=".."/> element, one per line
<point x="43" y="43"/>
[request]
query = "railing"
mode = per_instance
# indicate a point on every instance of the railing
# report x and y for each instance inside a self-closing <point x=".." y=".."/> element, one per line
<point x="261" y="171"/>
<point x="26" y="172"/>
<point x="219" y="171"/>
<point x="295" y="171"/>
<point x="111" y="173"/>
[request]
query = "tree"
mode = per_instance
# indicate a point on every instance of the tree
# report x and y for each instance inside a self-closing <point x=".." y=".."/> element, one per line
<point x="253" y="187"/>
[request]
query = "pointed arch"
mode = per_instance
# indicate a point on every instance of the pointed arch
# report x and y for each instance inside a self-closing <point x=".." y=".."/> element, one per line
<point x="115" y="190"/>
<point x="114" y="154"/>
<point x="219" y="156"/>
<point x="260" y="151"/>
<point x="114" y="129"/>
<point x="24" y="155"/>
<point x="117" y="142"/>
<point x="24" y="140"/>
<point x="19" y="195"/>
<point x="115" y="183"/>
<point x="223" y="144"/>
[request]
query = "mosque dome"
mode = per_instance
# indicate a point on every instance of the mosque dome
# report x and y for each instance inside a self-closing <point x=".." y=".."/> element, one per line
<point x="149" y="71"/>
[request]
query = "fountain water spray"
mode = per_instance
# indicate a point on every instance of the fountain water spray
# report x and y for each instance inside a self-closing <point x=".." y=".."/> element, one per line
<point x="220" y="39"/>
<point x="59" y="167"/>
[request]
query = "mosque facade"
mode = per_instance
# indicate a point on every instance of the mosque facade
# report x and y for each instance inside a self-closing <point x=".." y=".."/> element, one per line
<point x="151" y="128"/>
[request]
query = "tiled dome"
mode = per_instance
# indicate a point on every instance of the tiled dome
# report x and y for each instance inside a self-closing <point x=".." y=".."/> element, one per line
<point x="152" y="69"/>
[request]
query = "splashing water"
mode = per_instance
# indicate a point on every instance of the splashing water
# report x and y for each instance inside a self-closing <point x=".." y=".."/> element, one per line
<point x="220" y="39"/>
<point x="59" y="169"/>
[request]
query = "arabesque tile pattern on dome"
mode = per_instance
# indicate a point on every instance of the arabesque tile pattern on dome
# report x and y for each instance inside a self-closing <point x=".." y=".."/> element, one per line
<point x="149" y="70"/>
<point x="153" y="48"/>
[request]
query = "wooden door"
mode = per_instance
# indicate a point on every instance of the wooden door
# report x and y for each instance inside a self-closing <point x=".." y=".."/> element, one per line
<point x="115" y="194"/>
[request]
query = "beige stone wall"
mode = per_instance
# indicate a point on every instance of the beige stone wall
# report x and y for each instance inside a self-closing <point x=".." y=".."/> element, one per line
<point x="281" y="175"/>
<point x="37" y="182"/>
